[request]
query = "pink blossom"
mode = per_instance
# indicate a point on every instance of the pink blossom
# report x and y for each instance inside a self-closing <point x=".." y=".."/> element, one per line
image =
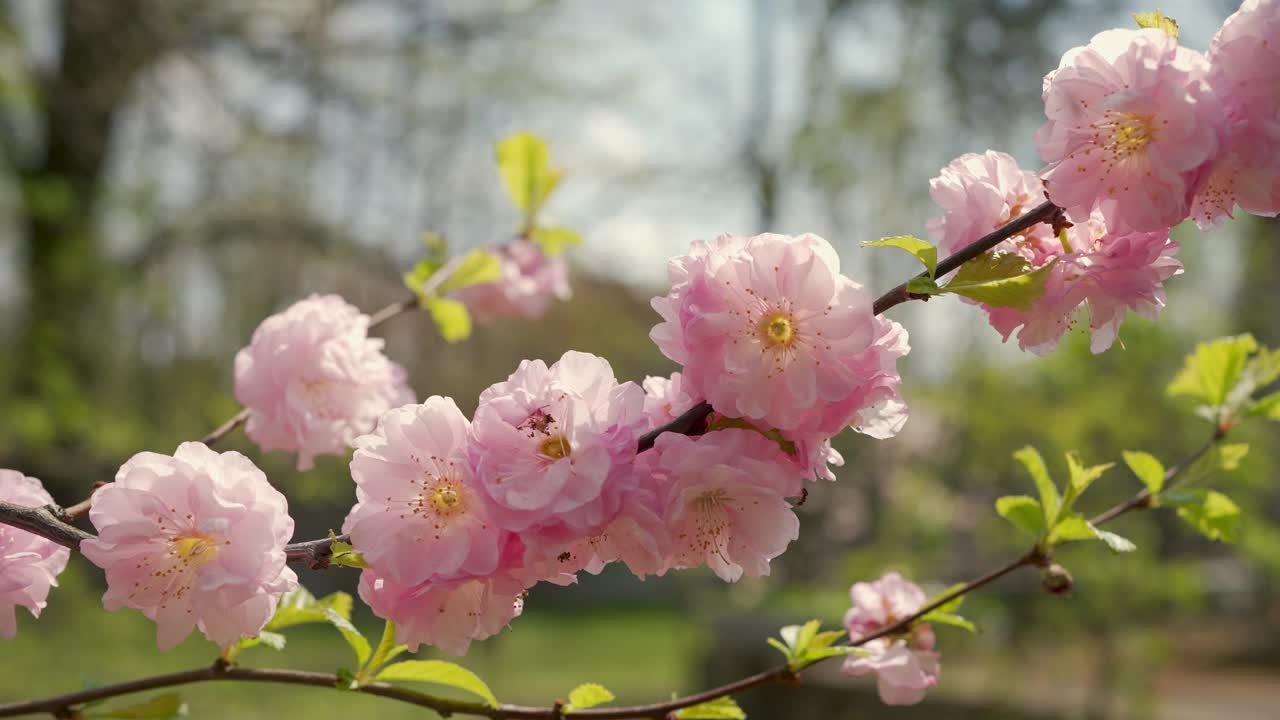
<point x="551" y="444"/>
<point x="637" y="536"/>
<point x="907" y="665"/>
<point x="665" y="399"/>
<point x="530" y="278"/>
<point x="768" y="330"/>
<point x="419" y="513"/>
<point x="29" y="564"/>
<point x="192" y="540"/>
<point x="447" y="615"/>
<point x="1131" y="125"/>
<point x="724" y="500"/>
<point x="1106" y="272"/>
<point x="1244" y="71"/>
<point x="313" y="380"/>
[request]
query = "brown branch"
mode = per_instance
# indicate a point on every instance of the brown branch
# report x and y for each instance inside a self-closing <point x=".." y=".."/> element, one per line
<point x="1044" y="212"/>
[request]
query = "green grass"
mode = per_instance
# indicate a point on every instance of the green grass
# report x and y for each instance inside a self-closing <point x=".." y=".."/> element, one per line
<point x="640" y="655"/>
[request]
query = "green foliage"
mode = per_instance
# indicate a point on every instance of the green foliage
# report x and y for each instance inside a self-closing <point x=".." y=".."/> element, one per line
<point x="919" y="249"/>
<point x="1267" y="407"/>
<point x="525" y="164"/>
<point x="299" y="607"/>
<point x="438" y="672"/>
<point x="588" y="695"/>
<point x="554" y="240"/>
<point x="1210" y="512"/>
<point x="359" y="645"/>
<point x="1003" y="280"/>
<point x="342" y="554"/>
<point x="160" y="707"/>
<point x="945" y="614"/>
<point x="1157" y="20"/>
<point x="1024" y="511"/>
<point x="1223" y="375"/>
<point x="273" y="640"/>
<point x="803" y="645"/>
<point x="451" y="317"/>
<point x="722" y="708"/>
<point x="1229" y="455"/>
<point x="1146" y="468"/>
<point x="476" y="267"/>
<point x="1034" y="463"/>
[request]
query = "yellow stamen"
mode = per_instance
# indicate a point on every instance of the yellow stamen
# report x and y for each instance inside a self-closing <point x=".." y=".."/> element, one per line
<point x="777" y="329"/>
<point x="195" y="550"/>
<point x="445" y="498"/>
<point x="555" y="447"/>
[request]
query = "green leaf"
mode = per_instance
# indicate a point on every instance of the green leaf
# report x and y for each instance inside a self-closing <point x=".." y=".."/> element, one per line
<point x="353" y="637"/>
<point x="1212" y="371"/>
<point x="1117" y="543"/>
<point x="1146" y="468"/>
<point x="1023" y="511"/>
<point x="524" y="161"/>
<point x="299" y="607"/>
<point x="1034" y="463"/>
<point x="475" y="268"/>
<point x="919" y="249"/>
<point x="273" y="640"/>
<point x="438" y="672"/>
<point x="1082" y="477"/>
<point x="452" y="318"/>
<point x="589" y="695"/>
<point x="387" y="649"/>
<point x="1003" y="280"/>
<point x="945" y="618"/>
<point x="1267" y="407"/>
<point x="554" y="240"/>
<point x="1215" y="516"/>
<point x="1230" y="454"/>
<point x="168" y="705"/>
<point x="341" y="553"/>
<point x="722" y="708"/>
<point x="951" y="605"/>
<point x="1075" y="527"/>
<point x="923" y="286"/>
<point x="417" y="278"/>
<point x="1157" y="20"/>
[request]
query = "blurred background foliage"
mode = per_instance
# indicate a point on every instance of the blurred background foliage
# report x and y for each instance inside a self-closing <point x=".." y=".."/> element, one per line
<point x="177" y="170"/>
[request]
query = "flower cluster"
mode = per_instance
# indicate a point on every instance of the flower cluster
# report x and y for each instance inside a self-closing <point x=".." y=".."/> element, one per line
<point x="29" y="564"/>
<point x="1094" y="268"/>
<point x="906" y="664"/>
<point x="313" y="380"/>
<point x="195" y="539"/>
<point x="530" y="279"/>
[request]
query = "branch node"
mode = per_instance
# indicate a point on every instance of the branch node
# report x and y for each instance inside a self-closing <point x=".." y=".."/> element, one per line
<point x="557" y="709"/>
<point x="221" y="665"/>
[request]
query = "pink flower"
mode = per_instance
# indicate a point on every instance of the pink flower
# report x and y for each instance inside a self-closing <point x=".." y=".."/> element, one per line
<point x="1109" y="273"/>
<point x="724" y="500"/>
<point x="530" y="278"/>
<point x="637" y="536"/>
<point x="768" y="330"/>
<point x="1244" y="71"/>
<point x="907" y="665"/>
<point x="550" y="445"/>
<point x="29" y="564"/>
<point x="665" y="399"/>
<point x="447" y="615"/>
<point x="313" y="380"/>
<point x="192" y="540"/>
<point x="419" y="513"/>
<point x="1131" y="125"/>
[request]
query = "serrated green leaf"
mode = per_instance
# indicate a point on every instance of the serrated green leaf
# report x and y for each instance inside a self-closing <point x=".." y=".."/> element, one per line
<point x="438" y="672"/>
<point x="923" y="286"/>
<point x="589" y="695"/>
<point x="1023" y="511"/>
<point x="1213" y="370"/>
<point x="919" y="249"/>
<point x="1157" y="20"/>
<point x="1215" y="516"/>
<point x="722" y="708"/>
<point x="342" y="554"/>
<point x="525" y="164"/>
<point x="943" y="618"/>
<point x="475" y="268"/>
<point x="299" y="607"/>
<point x="1003" y="280"/>
<point x="1117" y="543"/>
<point x="554" y="240"/>
<point x="1229" y="455"/>
<point x="168" y="705"/>
<point x="354" y="638"/>
<point x="1034" y="463"/>
<point x="1267" y="407"/>
<point x="1146" y="468"/>
<point x="1072" y="527"/>
<point x="451" y="317"/>
<point x="1082" y="477"/>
